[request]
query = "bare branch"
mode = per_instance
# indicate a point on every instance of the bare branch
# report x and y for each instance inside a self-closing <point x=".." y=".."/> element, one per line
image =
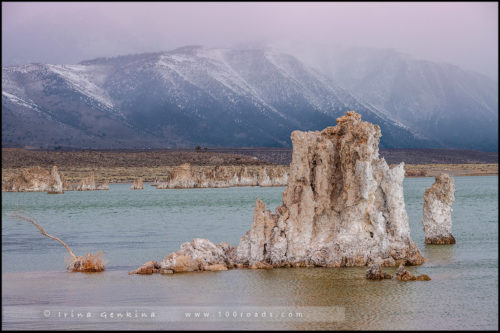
<point x="32" y="220"/>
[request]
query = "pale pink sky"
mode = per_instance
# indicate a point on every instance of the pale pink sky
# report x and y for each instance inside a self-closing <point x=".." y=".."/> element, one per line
<point x="463" y="33"/>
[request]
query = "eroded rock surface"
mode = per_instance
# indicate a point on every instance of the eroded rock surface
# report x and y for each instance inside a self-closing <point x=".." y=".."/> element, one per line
<point x="438" y="200"/>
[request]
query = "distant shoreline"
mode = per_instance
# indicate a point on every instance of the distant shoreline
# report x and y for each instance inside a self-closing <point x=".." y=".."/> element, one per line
<point x="455" y="170"/>
<point x="117" y="175"/>
<point x="119" y="166"/>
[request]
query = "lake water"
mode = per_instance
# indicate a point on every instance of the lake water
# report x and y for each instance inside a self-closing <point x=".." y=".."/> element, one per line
<point x="133" y="227"/>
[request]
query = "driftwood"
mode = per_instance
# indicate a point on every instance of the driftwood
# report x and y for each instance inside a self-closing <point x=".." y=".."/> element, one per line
<point x="90" y="263"/>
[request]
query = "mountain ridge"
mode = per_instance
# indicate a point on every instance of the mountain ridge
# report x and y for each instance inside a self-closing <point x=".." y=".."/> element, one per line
<point x="180" y="98"/>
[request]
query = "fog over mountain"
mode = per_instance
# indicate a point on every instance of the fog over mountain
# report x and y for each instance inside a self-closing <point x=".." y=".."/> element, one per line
<point x="458" y="108"/>
<point x="241" y="97"/>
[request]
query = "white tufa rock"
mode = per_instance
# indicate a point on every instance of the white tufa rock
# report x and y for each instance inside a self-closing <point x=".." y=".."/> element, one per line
<point x="438" y="200"/>
<point x="343" y="205"/>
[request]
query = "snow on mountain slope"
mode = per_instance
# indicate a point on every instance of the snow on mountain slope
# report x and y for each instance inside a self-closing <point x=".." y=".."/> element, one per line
<point x="185" y="97"/>
<point x="83" y="78"/>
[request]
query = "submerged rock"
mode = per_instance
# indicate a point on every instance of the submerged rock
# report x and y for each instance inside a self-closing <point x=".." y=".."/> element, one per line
<point x="137" y="185"/>
<point x="375" y="273"/>
<point x="438" y="200"/>
<point x="343" y="205"/>
<point x="148" y="268"/>
<point x="403" y="275"/>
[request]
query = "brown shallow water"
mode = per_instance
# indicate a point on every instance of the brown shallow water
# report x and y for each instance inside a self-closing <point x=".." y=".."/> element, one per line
<point x="388" y="304"/>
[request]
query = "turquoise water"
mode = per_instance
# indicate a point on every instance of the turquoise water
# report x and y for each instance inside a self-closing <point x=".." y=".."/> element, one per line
<point x="133" y="227"/>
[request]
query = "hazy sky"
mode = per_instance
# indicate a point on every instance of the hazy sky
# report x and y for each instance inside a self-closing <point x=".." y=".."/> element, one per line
<point x="465" y="34"/>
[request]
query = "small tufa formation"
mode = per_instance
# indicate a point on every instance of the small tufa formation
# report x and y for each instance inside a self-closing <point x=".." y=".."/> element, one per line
<point x="137" y="185"/>
<point x="403" y="275"/>
<point x="375" y="273"/>
<point x="197" y="255"/>
<point x="438" y="200"/>
<point x="343" y="205"/>
<point x="87" y="184"/>
<point x="37" y="179"/>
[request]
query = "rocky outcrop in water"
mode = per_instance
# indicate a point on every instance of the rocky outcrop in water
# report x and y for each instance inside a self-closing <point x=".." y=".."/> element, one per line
<point x="343" y="206"/>
<point x="137" y="185"/>
<point x="403" y="275"/>
<point x="438" y="200"/>
<point x="87" y="184"/>
<point x="375" y="273"/>
<point x="36" y="179"/>
<point x="186" y="176"/>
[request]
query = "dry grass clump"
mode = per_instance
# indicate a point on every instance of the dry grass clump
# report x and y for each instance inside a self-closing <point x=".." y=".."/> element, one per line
<point x="90" y="263"/>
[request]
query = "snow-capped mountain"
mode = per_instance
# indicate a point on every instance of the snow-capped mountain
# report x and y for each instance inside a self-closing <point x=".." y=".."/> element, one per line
<point x="181" y="98"/>
<point x="454" y="107"/>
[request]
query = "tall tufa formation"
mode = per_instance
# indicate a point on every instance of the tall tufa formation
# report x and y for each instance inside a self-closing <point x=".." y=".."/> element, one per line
<point x="56" y="184"/>
<point x="343" y="205"/>
<point x="437" y="210"/>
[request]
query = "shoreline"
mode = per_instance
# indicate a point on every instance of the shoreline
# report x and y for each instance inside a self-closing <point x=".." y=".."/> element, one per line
<point x="454" y="170"/>
<point x="123" y="175"/>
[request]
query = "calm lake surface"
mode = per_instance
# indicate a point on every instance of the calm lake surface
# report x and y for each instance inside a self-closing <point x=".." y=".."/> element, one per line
<point x="133" y="227"/>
